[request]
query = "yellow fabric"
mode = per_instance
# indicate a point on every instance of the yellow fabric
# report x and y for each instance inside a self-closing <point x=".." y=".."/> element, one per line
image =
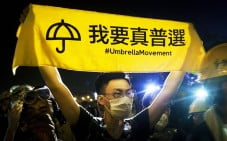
<point x="71" y="39"/>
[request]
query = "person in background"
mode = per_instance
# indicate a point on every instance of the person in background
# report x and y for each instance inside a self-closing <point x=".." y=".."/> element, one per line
<point x="37" y="119"/>
<point x="196" y="115"/>
<point x="163" y="130"/>
<point x="197" y="109"/>
<point x="16" y="104"/>
<point x="5" y="98"/>
<point x="214" y="78"/>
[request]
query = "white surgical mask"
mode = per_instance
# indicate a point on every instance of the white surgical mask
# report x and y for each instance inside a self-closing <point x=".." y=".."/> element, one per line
<point x="120" y="108"/>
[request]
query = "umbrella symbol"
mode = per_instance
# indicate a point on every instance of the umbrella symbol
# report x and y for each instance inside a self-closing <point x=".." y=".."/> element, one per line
<point x="57" y="31"/>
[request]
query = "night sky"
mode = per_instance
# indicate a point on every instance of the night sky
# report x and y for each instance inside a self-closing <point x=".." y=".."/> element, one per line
<point x="208" y="17"/>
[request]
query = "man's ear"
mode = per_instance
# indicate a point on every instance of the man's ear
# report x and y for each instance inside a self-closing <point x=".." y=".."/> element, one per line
<point x="101" y="99"/>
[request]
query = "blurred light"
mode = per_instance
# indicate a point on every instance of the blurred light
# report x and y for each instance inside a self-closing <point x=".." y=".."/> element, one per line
<point x="83" y="98"/>
<point x="201" y="93"/>
<point x="95" y="95"/>
<point x="152" y="88"/>
<point x="88" y="97"/>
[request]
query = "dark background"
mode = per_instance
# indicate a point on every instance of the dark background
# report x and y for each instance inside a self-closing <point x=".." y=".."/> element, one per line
<point x="209" y="18"/>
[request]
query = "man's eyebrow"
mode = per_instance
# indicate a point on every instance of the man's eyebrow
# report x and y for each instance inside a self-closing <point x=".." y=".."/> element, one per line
<point x="118" y="89"/>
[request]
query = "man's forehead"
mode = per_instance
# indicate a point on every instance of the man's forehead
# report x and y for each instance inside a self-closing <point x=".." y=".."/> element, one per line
<point x="121" y="80"/>
<point x="118" y="83"/>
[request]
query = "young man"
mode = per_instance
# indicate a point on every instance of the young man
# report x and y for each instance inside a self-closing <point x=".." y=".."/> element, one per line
<point x="214" y="78"/>
<point x="115" y="100"/>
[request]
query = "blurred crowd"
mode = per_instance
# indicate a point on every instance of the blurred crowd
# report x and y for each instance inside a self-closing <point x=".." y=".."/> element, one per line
<point x="32" y="113"/>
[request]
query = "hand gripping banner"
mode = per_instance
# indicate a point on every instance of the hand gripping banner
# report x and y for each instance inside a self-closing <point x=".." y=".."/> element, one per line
<point x="100" y="42"/>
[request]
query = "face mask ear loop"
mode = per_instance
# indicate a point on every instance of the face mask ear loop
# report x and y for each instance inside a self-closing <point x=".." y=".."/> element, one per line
<point x="106" y="108"/>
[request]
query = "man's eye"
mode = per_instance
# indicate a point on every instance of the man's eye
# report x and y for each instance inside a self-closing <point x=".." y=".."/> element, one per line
<point x="117" y="93"/>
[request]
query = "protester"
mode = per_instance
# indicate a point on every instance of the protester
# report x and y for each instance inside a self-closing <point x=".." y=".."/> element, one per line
<point x="197" y="109"/>
<point x="214" y="79"/>
<point x="5" y="98"/>
<point x="196" y="115"/>
<point x="37" y="118"/>
<point x="161" y="130"/>
<point x="14" y="112"/>
<point x="115" y="97"/>
<point x="164" y="129"/>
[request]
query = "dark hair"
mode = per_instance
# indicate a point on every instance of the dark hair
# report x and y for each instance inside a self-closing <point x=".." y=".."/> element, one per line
<point x="104" y="78"/>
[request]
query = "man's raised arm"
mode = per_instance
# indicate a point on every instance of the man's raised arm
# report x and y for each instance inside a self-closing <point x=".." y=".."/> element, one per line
<point x="170" y="87"/>
<point x="70" y="108"/>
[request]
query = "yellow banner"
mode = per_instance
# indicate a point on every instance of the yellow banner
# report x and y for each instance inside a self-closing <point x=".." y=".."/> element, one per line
<point x="93" y="41"/>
